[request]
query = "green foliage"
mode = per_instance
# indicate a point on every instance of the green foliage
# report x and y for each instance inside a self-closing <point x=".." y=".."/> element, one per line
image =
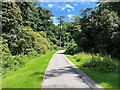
<point x="24" y="33"/>
<point x="110" y="79"/>
<point x="40" y="44"/>
<point x="77" y="59"/>
<point x="11" y="17"/>
<point x="53" y="35"/>
<point x="43" y="34"/>
<point x="112" y="6"/>
<point x="11" y="22"/>
<point x="97" y="30"/>
<point x="32" y="54"/>
<point x="116" y="45"/>
<point x="4" y="47"/>
<point x="11" y="63"/>
<point x="19" y="60"/>
<point x="30" y="75"/>
<point x="66" y="33"/>
<point x="55" y="47"/>
<point x="73" y="49"/>
<point x="104" y="64"/>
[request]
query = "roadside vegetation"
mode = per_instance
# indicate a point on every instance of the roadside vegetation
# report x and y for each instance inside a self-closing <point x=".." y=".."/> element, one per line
<point x="28" y="34"/>
<point x="30" y="75"/>
<point x="103" y="70"/>
<point x="26" y="43"/>
<point x="96" y="49"/>
<point x="27" y="29"/>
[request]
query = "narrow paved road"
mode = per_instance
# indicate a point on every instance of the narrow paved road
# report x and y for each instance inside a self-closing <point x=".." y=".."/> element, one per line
<point x="59" y="74"/>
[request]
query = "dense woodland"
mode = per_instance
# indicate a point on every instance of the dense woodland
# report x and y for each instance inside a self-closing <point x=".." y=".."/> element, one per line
<point x="27" y="30"/>
<point x="98" y="30"/>
<point x="24" y="32"/>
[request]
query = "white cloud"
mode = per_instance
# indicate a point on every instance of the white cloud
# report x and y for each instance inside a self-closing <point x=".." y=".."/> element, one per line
<point x="75" y="4"/>
<point x="60" y="7"/>
<point x="93" y="0"/>
<point x="68" y="10"/>
<point x="63" y="8"/>
<point x="53" y="18"/>
<point x="50" y="5"/>
<point x="55" y="21"/>
<point x="70" y="16"/>
<point x="69" y="6"/>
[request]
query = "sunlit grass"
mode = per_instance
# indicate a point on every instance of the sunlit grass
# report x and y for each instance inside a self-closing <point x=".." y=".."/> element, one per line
<point x="29" y="76"/>
<point x="106" y="80"/>
<point x="0" y="81"/>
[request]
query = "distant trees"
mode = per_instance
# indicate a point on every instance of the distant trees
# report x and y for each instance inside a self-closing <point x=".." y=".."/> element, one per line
<point x="67" y="31"/>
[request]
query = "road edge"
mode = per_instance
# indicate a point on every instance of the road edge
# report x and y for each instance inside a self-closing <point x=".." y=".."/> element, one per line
<point x="92" y="84"/>
<point x="42" y="83"/>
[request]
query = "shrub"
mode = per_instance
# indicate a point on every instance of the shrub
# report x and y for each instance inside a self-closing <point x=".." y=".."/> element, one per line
<point x="43" y="34"/>
<point x="32" y="54"/>
<point x="7" y="62"/>
<point x="77" y="58"/>
<point x="19" y="60"/>
<point x="55" y="47"/>
<point x="10" y="63"/>
<point x="37" y="40"/>
<point x="103" y="64"/>
<point x="73" y="49"/>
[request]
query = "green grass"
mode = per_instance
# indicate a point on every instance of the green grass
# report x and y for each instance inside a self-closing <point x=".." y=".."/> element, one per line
<point x="0" y="81"/>
<point x="29" y="76"/>
<point x="106" y="80"/>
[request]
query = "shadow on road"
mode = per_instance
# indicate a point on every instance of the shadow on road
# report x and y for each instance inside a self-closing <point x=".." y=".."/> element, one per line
<point x="58" y="72"/>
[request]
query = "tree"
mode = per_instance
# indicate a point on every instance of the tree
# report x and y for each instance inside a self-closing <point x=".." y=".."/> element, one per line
<point x="95" y="30"/>
<point x="11" y="22"/>
<point x="20" y="19"/>
<point x="60" y="24"/>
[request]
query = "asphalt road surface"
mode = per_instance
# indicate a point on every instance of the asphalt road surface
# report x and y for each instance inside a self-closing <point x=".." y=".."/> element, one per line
<point x="60" y="74"/>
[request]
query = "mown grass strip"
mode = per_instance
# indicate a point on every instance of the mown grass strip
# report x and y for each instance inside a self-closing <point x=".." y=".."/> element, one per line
<point x="106" y="80"/>
<point x="29" y="76"/>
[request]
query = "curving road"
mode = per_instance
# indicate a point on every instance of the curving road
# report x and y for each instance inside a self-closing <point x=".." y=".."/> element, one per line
<point x="60" y="73"/>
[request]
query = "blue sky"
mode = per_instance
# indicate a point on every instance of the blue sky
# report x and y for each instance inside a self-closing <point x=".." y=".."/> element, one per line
<point x="67" y="9"/>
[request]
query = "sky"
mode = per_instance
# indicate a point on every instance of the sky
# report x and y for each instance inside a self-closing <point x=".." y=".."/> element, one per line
<point x="67" y="9"/>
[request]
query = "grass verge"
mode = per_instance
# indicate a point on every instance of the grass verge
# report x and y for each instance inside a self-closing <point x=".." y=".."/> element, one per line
<point x="29" y="76"/>
<point x="106" y="80"/>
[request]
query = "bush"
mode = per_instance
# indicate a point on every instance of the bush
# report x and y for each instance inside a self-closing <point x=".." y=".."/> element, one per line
<point x="77" y="58"/>
<point x="37" y="41"/>
<point x="55" y="47"/>
<point x="7" y="62"/>
<point x="11" y="63"/>
<point x="43" y="34"/>
<point x="73" y="49"/>
<point x="32" y="54"/>
<point x="103" y="64"/>
<point x="19" y="60"/>
<point x="116" y="45"/>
